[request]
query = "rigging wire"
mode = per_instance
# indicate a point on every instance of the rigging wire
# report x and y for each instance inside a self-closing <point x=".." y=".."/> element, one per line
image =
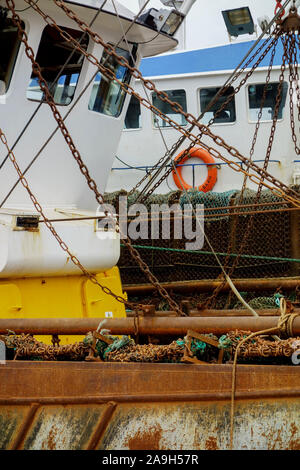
<point x="127" y="164"/>
<point x="27" y="8"/>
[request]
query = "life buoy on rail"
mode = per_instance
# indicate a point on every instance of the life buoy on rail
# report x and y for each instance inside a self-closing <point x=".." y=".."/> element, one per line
<point x="212" y="172"/>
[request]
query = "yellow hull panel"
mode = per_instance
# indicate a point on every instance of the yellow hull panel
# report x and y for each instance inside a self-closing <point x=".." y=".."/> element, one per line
<point x="61" y="297"/>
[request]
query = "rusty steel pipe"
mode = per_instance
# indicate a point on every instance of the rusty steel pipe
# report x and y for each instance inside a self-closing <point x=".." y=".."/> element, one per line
<point x="267" y="312"/>
<point x="206" y="286"/>
<point x="142" y="325"/>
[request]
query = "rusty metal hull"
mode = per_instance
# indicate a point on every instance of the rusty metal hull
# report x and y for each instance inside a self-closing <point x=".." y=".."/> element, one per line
<point x="105" y="406"/>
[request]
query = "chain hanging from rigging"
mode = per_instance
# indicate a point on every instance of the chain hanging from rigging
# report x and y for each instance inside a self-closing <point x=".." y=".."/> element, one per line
<point x="48" y="98"/>
<point x="286" y="30"/>
<point x="280" y="188"/>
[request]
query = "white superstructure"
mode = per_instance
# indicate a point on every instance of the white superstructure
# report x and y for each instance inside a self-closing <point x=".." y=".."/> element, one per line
<point x="94" y="121"/>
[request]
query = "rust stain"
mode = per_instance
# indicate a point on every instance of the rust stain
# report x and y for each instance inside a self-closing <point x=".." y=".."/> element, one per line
<point x="147" y="440"/>
<point x="211" y="443"/>
<point x="276" y="441"/>
<point x="294" y="443"/>
<point x="51" y="440"/>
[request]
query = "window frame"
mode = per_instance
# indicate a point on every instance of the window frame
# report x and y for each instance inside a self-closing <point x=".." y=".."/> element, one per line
<point x="250" y="121"/>
<point x="36" y="100"/>
<point x="134" y="54"/>
<point x="135" y="129"/>
<point x="229" y="123"/>
<point x="154" y="115"/>
<point x="14" y="66"/>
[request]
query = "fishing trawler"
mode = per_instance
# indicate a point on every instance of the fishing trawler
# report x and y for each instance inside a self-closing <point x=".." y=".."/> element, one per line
<point x="67" y="68"/>
<point x="30" y="255"/>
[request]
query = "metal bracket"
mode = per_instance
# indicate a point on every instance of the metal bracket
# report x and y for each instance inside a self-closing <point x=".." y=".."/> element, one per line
<point x="92" y="351"/>
<point x="291" y="23"/>
<point x="188" y="356"/>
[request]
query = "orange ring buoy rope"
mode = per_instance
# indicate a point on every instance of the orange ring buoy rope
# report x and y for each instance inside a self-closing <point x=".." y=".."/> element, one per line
<point x="211" y="169"/>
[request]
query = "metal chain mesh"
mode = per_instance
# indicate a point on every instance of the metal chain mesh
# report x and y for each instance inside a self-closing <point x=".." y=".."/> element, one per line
<point x="27" y="347"/>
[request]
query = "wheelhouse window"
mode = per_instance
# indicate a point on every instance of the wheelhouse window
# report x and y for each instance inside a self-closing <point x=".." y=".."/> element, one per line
<point x="60" y="65"/>
<point x="178" y="96"/>
<point x="227" y="114"/>
<point x="256" y="99"/>
<point x="10" y="44"/>
<point x="107" y="95"/>
<point x="133" y="115"/>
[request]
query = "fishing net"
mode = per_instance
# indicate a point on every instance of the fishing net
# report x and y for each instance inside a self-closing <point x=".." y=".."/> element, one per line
<point x="270" y="236"/>
<point x="124" y="349"/>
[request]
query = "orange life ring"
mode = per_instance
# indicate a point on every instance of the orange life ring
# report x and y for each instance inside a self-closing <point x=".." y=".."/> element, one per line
<point x="211" y="169"/>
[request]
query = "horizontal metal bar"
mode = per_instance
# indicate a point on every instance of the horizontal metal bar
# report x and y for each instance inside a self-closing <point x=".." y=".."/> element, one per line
<point x="151" y="397"/>
<point x="268" y="312"/>
<point x="145" y="325"/>
<point x="205" y="286"/>
<point x="149" y="167"/>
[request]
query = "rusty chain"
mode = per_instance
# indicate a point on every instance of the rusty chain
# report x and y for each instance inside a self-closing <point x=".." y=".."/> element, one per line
<point x="259" y="116"/>
<point x="84" y="170"/>
<point x="235" y="219"/>
<point x="26" y="346"/>
<point x="230" y="97"/>
<point x="293" y="79"/>
<point x="50" y="226"/>
<point x="280" y="188"/>
<point x="287" y="56"/>
<point x="175" y="147"/>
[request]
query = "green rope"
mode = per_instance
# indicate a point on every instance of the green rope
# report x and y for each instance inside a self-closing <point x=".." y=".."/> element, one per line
<point x="178" y="250"/>
<point x="224" y="342"/>
<point x="117" y="344"/>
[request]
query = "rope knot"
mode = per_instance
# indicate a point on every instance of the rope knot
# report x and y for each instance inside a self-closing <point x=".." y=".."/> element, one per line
<point x="286" y="320"/>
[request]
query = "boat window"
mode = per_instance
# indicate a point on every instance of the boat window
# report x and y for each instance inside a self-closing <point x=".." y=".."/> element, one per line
<point x="60" y="65"/>
<point x="10" y="44"/>
<point x="256" y="92"/>
<point x="133" y="115"/>
<point x="107" y="96"/>
<point x="227" y="114"/>
<point x="178" y="96"/>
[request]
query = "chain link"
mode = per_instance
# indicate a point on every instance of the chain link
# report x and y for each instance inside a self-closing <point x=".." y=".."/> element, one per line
<point x="293" y="80"/>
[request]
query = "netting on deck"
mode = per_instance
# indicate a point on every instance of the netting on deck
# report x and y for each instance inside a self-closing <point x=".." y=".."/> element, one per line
<point x="270" y="237"/>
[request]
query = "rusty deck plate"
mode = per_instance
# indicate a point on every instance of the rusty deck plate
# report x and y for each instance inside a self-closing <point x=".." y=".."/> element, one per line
<point x="78" y="405"/>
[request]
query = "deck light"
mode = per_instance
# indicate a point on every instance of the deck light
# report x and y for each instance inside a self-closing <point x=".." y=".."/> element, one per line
<point x="238" y="21"/>
<point x="172" y="22"/>
<point x="167" y="21"/>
